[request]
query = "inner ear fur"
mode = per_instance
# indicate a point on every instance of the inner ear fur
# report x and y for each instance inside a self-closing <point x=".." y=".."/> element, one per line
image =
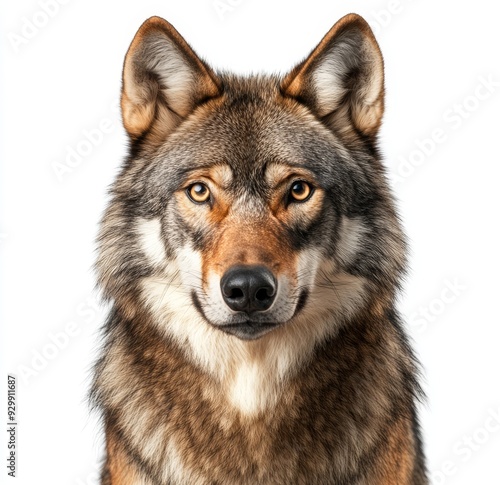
<point x="342" y="80"/>
<point x="163" y="80"/>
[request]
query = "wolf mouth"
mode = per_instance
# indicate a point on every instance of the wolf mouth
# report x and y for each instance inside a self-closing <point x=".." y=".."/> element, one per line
<point x="249" y="329"/>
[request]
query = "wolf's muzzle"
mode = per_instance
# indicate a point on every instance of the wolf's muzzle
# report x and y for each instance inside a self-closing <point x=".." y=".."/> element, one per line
<point x="248" y="288"/>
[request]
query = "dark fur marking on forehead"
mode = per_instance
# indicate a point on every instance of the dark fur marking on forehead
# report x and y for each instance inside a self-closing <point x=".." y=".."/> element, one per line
<point x="250" y="88"/>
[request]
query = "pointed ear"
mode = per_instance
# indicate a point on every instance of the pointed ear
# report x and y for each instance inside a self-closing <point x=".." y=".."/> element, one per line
<point x="163" y="80"/>
<point x="342" y="80"/>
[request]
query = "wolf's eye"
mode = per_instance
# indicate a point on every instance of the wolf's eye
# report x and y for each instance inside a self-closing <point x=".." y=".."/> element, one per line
<point x="198" y="192"/>
<point x="300" y="191"/>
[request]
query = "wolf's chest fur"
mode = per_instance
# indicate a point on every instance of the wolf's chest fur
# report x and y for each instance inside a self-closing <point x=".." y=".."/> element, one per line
<point x="252" y="253"/>
<point x="324" y="424"/>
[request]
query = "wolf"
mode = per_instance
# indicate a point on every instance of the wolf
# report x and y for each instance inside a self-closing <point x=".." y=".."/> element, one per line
<point x="253" y="254"/>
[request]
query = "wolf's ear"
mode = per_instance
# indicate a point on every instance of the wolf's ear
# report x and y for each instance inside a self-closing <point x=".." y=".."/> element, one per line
<point x="342" y="80"/>
<point x="163" y="80"/>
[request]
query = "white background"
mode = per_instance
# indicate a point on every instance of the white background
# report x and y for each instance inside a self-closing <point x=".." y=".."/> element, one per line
<point x="62" y="79"/>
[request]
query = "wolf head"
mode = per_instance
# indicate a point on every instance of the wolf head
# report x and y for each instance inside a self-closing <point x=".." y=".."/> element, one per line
<point x="251" y="208"/>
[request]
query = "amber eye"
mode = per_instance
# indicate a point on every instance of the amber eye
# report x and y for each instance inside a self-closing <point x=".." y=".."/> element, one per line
<point x="300" y="191"/>
<point x="198" y="193"/>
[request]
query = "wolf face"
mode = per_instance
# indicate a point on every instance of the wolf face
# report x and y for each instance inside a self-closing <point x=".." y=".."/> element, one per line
<point x="245" y="200"/>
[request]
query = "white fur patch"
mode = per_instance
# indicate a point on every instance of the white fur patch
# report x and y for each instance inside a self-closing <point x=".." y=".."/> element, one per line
<point x="351" y="233"/>
<point x="327" y="80"/>
<point x="252" y="390"/>
<point x="149" y="232"/>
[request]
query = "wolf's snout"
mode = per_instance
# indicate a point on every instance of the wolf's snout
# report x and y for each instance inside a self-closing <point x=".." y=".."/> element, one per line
<point x="248" y="288"/>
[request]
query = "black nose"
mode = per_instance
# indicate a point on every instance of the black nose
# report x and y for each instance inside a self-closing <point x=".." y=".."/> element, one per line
<point x="248" y="288"/>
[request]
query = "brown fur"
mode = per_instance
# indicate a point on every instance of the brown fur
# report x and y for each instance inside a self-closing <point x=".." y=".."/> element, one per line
<point x="255" y="245"/>
<point x="120" y="468"/>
